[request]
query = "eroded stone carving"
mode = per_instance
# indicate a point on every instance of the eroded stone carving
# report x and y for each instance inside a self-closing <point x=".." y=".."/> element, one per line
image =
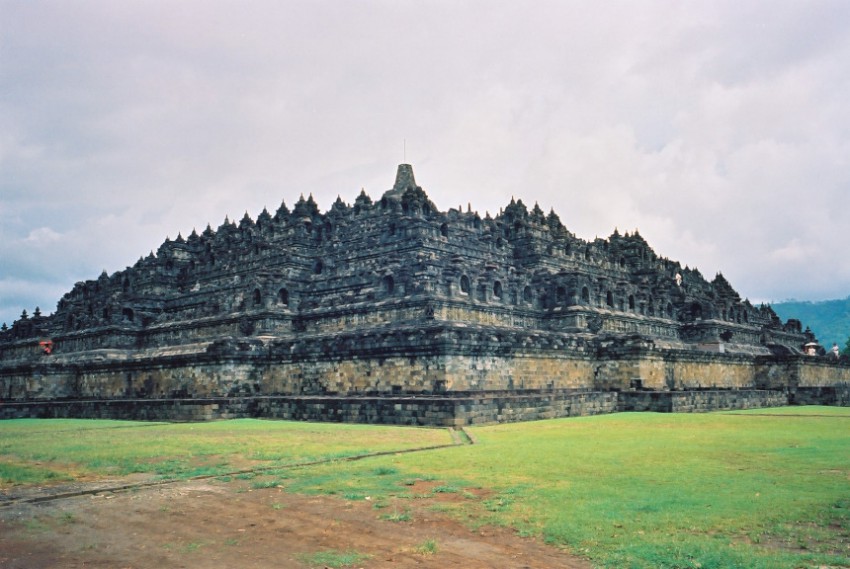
<point x="390" y="297"/>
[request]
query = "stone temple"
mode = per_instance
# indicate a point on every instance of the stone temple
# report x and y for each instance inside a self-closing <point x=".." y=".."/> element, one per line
<point x="392" y="311"/>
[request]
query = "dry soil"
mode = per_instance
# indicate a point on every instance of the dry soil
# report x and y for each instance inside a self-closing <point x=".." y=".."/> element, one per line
<point x="213" y="524"/>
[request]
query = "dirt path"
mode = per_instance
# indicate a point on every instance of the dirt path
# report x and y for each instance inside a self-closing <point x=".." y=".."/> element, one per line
<point x="213" y="524"/>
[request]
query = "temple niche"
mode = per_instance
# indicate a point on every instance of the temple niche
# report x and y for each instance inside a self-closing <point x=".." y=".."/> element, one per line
<point x="393" y="297"/>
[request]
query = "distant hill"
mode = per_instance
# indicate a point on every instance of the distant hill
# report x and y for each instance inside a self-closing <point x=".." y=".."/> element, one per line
<point x="828" y="319"/>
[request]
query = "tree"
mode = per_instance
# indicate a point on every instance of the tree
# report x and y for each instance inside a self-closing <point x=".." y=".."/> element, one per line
<point x="846" y="350"/>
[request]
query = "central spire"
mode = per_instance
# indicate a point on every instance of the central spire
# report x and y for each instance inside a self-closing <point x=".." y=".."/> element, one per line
<point x="404" y="178"/>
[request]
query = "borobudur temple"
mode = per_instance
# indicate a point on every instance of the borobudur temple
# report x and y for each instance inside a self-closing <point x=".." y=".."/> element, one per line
<point x="392" y="311"/>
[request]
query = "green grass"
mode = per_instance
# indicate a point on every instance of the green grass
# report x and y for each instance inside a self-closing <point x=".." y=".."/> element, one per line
<point x="331" y="558"/>
<point x="428" y="547"/>
<point x="650" y="490"/>
<point x="805" y="410"/>
<point x="35" y="450"/>
<point x="15" y="473"/>
<point x="396" y="516"/>
<point x="762" y="489"/>
<point x="260" y="484"/>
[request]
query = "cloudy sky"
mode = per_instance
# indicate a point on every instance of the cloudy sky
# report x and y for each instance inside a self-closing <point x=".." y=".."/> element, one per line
<point x="720" y="130"/>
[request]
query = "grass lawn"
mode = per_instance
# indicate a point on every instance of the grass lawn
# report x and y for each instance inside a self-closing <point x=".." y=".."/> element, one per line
<point x="758" y="489"/>
<point x="766" y="488"/>
<point x="34" y="451"/>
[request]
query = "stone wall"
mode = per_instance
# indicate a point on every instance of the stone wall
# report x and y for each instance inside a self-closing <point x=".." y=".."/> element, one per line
<point x="133" y="409"/>
<point x="406" y="410"/>
<point x="636" y="365"/>
<point x="511" y="407"/>
<point x="838" y="396"/>
<point x="699" y="401"/>
<point x="777" y="372"/>
<point x="822" y="371"/>
<point x="447" y="410"/>
<point x="702" y="370"/>
<point x="118" y="377"/>
<point x="488" y="372"/>
<point x="428" y="360"/>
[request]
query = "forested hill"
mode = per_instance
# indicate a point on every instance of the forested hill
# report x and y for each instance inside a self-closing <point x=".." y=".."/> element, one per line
<point x="828" y="319"/>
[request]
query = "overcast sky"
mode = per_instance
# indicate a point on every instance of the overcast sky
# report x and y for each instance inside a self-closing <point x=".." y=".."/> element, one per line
<point x="720" y="130"/>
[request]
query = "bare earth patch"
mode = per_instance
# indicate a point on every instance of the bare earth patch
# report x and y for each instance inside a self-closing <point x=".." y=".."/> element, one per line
<point x="214" y="525"/>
